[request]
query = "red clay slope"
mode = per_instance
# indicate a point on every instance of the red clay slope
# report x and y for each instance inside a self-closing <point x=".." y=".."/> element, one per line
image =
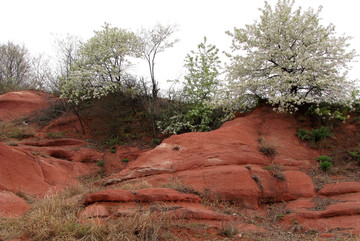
<point x="18" y="104"/>
<point x="226" y="164"/>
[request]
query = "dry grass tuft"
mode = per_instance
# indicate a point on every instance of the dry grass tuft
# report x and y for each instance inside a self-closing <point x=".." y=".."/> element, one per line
<point x="178" y="185"/>
<point x="267" y="148"/>
<point x="136" y="185"/>
<point x="56" y="218"/>
<point x="11" y="130"/>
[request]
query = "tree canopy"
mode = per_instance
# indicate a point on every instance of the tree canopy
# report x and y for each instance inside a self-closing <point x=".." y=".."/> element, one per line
<point x="203" y="71"/>
<point x="101" y="65"/>
<point x="200" y="85"/>
<point x="289" y="59"/>
<point x="153" y="42"/>
<point x="15" y="65"/>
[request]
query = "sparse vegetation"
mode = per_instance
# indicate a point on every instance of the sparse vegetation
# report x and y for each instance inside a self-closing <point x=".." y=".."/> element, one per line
<point x="267" y="148"/>
<point x="155" y="142"/>
<point x="356" y="154"/>
<point x="228" y="229"/>
<point x="325" y="162"/>
<point x="56" y="218"/>
<point x="11" y="130"/>
<point x="315" y="135"/>
<point x="276" y="172"/>
<point x="55" y="135"/>
<point x="112" y="141"/>
<point x="100" y="163"/>
<point x="325" y="165"/>
<point x="179" y="186"/>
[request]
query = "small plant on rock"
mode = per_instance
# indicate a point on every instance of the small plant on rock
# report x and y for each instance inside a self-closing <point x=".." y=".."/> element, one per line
<point x="324" y="158"/>
<point x="100" y="163"/>
<point x="155" y="142"/>
<point x="267" y="148"/>
<point x="325" y="162"/>
<point x="315" y="135"/>
<point x="356" y="154"/>
<point x="228" y="230"/>
<point x="112" y="141"/>
<point x="55" y="135"/>
<point x="325" y="165"/>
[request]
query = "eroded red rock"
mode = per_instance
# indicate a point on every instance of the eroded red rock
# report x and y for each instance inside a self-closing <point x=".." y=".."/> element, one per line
<point x="110" y="195"/>
<point x="340" y="188"/>
<point x="11" y="205"/>
<point x="144" y="195"/>
<point x="57" y="142"/>
<point x="217" y="162"/>
<point x="230" y="183"/>
<point x="14" y="105"/>
<point x="94" y="211"/>
<point x="164" y="195"/>
<point x="21" y="171"/>
<point x="198" y="213"/>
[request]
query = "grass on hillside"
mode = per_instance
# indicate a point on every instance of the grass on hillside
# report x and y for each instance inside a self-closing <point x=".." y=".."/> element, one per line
<point x="56" y="218"/>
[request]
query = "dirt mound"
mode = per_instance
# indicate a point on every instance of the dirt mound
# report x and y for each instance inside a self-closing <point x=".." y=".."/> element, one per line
<point x="14" y="105"/>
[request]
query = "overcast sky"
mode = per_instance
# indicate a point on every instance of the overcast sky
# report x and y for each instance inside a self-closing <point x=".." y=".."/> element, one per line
<point x="34" y="23"/>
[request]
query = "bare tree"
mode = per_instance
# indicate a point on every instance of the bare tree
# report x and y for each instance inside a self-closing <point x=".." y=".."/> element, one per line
<point x="67" y="51"/>
<point x="155" y="41"/>
<point x="42" y="73"/>
<point x="15" y="64"/>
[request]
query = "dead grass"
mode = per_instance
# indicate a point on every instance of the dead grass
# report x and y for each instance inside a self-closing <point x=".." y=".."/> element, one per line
<point x="275" y="170"/>
<point x="53" y="217"/>
<point x="321" y="203"/>
<point x="12" y="130"/>
<point x="267" y="148"/>
<point x="56" y="218"/>
<point x="178" y="185"/>
<point x="135" y="185"/>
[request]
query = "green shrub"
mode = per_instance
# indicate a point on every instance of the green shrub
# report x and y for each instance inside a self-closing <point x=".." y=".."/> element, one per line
<point x="304" y="134"/>
<point x="325" y="165"/>
<point x="12" y="130"/>
<point x="155" y="141"/>
<point x="356" y="153"/>
<point x="55" y="135"/>
<point x="100" y="163"/>
<point x="125" y="160"/>
<point x="324" y="158"/>
<point x="315" y="135"/>
<point x="327" y="111"/>
<point x="112" y="141"/>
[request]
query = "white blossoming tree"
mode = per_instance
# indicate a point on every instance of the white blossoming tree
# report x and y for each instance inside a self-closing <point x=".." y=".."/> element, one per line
<point x="101" y="65"/>
<point x="289" y="59"/>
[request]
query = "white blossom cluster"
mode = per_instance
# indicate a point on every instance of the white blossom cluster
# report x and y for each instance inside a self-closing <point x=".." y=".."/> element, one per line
<point x="289" y="59"/>
<point x="100" y="67"/>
